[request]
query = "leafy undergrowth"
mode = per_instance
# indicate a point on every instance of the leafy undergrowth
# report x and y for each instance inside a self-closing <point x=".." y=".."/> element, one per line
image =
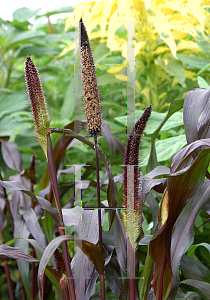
<point x="30" y="221"/>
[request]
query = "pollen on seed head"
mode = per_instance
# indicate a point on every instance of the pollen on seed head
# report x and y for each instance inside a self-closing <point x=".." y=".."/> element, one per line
<point x="38" y="103"/>
<point x="90" y="86"/>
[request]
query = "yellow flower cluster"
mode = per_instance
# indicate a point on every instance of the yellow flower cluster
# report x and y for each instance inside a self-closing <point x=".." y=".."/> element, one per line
<point x="169" y="20"/>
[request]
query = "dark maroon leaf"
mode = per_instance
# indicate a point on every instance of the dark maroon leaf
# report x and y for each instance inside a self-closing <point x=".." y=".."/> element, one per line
<point x="153" y="204"/>
<point x="120" y="146"/>
<point x="120" y="242"/>
<point x="174" y="106"/>
<point x="16" y="253"/>
<point x="184" y="157"/>
<point x="181" y="185"/>
<point x="34" y="227"/>
<point x="112" y="189"/>
<point x="91" y="286"/>
<point x="60" y="149"/>
<point x="183" y="235"/>
<point x="53" y="176"/>
<point x="196" y="115"/>
<point x="3" y="220"/>
<point x="92" y="251"/>
<point x="21" y="232"/>
<point x="113" y="276"/>
<point x="16" y="186"/>
<point x="82" y="268"/>
<point x="149" y="184"/>
<point x="108" y="136"/>
<point x="11" y="156"/>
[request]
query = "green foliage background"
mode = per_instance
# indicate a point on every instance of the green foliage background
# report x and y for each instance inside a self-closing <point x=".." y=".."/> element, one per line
<point x="45" y="42"/>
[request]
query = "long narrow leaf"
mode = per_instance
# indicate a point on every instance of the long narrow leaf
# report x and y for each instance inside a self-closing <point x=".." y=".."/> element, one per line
<point x="183" y="235"/>
<point x="92" y="251"/>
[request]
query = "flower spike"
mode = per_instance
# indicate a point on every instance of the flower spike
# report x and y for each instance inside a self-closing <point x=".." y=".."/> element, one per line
<point x="38" y="103"/>
<point x="132" y="187"/>
<point x="90" y="87"/>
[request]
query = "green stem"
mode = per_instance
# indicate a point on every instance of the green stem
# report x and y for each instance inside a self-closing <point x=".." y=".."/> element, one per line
<point x="146" y="277"/>
<point x="131" y="270"/>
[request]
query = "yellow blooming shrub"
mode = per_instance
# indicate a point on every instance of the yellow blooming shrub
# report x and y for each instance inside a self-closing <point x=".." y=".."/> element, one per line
<point x="162" y="29"/>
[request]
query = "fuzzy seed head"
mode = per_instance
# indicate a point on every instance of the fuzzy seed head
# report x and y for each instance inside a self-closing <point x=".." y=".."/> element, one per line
<point x="38" y="103"/>
<point x="59" y="261"/>
<point x="132" y="188"/>
<point x="90" y="87"/>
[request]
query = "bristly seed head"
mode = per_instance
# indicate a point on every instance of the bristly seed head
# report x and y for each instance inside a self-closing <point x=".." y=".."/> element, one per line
<point x="59" y="261"/>
<point x="38" y="103"/>
<point x="90" y="87"/>
<point x="133" y="205"/>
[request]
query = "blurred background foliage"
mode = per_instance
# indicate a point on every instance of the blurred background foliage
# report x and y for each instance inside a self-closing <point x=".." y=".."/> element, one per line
<point x="171" y="57"/>
<point x="171" y="46"/>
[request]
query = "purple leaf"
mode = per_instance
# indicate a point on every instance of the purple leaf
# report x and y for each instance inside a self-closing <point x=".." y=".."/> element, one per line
<point x="196" y="115"/>
<point x="16" y="186"/>
<point x="16" y="253"/>
<point x="204" y="287"/>
<point x="108" y="136"/>
<point x="33" y="226"/>
<point x="11" y="156"/>
<point x="92" y="251"/>
<point x="120" y="242"/>
<point x="183" y="235"/>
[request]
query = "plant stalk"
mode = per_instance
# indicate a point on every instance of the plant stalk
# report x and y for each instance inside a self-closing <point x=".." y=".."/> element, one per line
<point x="99" y="212"/>
<point x="131" y="270"/>
<point x="68" y="265"/>
<point x="9" y="282"/>
<point x="54" y="182"/>
<point x="8" y="206"/>
<point x="146" y="277"/>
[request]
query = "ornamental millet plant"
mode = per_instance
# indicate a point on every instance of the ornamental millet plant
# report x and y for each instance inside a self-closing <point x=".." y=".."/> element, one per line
<point x="93" y="115"/>
<point x="133" y="198"/>
<point x="133" y="205"/>
<point x="42" y="123"/>
<point x="38" y="103"/>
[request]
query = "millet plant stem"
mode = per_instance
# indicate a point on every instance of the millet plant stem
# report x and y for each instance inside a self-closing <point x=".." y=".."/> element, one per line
<point x="99" y="212"/>
<point x="131" y="270"/>
<point x="9" y="282"/>
<point x="54" y="182"/>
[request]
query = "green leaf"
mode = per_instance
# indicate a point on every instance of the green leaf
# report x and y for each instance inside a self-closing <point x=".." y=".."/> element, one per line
<point x="23" y="14"/>
<point x="60" y="10"/>
<point x="174" y="107"/>
<point x="14" y="102"/>
<point x="25" y="50"/>
<point x="174" y="68"/>
<point x="203" y="83"/>
<point x="194" y="61"/>
<point x="67" y="109"/>
<point x="155" y="119"/>
<point x="194" y="247"/>
<point x="24" y="37"/>
<point x="167" y="148"/>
